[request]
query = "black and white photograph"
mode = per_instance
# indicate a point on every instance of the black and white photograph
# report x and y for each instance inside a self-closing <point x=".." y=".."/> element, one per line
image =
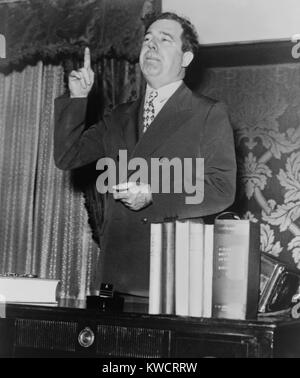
<point x="149" y="182"/>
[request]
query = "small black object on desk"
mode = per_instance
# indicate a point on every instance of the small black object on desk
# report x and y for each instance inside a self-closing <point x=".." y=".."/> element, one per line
<point x="107" y="300"/>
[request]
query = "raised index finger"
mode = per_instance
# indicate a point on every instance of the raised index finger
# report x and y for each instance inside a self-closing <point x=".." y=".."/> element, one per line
<point x="87" y="58"/>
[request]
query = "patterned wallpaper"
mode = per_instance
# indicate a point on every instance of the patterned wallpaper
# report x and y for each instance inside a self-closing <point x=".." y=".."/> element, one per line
<point x="264" y="107"/>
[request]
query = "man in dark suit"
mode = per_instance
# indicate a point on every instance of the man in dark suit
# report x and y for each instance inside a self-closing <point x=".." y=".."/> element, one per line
<point x="168" y="122"/>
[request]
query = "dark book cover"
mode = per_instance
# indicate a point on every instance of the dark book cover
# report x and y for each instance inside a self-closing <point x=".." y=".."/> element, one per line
<point x="236" y="269"/>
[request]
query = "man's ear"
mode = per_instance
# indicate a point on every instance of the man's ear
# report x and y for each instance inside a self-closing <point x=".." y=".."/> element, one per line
<point x="188" y="56"/>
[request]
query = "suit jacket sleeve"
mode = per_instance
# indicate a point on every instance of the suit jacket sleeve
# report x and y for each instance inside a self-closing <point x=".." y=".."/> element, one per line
<point x="219" y="162"/>
<point x="216" y="146"/>
<point x="74" y="145"/>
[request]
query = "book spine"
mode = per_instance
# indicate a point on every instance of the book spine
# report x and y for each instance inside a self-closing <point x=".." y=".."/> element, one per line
<point x="182" y="268"/>
<point x="208" y="269"/>
<point x="253" y="274"/>
<point x="196" y="247"/>
<point x="235" y="277"/>
<point x="155" y="280"/>
<point x="168" y="268"/>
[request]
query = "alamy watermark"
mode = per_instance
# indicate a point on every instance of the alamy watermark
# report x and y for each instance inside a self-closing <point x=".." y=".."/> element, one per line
<point x="162" y="174"/>
<point x="296" y="48"/>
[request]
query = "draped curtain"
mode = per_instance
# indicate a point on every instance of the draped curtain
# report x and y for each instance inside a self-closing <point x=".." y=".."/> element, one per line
<point x="45" y="228"/>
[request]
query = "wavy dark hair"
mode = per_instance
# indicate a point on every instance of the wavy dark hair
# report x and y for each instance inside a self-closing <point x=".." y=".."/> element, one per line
<point x="189" y="36"/>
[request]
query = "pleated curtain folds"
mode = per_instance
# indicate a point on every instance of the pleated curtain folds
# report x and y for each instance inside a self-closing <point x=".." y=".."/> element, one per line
<point x="44" y="224"/>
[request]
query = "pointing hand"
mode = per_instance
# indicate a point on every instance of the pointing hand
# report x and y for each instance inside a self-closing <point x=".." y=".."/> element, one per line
<point x="82" y="80"/>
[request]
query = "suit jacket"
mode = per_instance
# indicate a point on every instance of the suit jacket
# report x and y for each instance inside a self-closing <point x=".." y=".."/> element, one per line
<point x="188" y="126"/>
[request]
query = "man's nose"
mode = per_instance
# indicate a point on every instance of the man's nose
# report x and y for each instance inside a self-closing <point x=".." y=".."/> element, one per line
<point x="152" y="44"/>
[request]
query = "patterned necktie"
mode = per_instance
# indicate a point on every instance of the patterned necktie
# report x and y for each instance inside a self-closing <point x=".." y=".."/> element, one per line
<point x="149" y="114"/>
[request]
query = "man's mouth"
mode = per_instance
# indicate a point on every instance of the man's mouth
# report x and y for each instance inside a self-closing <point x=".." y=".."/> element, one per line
<point x="151" y="57"/>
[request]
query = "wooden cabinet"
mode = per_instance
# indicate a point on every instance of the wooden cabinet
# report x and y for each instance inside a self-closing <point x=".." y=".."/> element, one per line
<point x="40" y="331"/>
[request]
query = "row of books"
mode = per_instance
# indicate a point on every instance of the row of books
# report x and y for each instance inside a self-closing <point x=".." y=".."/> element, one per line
<point x="180" y="272"/>
<point x="196" y="269"/>
<point x="205" y="270"/>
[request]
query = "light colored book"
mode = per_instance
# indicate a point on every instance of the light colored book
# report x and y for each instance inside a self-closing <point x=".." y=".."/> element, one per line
<point x="208" y="269"/>
<point x="168" y="268"/>
<point x="28" y="290"/>
<point x="196" y="252"/>
<point x="182" y="268"/>
<point x="155" y="283"/>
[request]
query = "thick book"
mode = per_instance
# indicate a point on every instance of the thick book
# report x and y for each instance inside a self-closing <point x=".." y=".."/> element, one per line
<point x="182" y="267"/>
<point x="196" y="271"/>
<point x="28" y="290"/>
<point x="155" y="283"/>
<point x="208" y="269"/>
<point x="168" y="268"/>
<point x="162" y="268"/>
<point x="236" y="269"/>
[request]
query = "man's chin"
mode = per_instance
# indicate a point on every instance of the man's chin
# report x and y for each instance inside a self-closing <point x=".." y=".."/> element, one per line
<point x="150" y="70"/>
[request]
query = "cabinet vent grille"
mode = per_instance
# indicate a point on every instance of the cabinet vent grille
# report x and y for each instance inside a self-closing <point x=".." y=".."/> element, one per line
<point x="119" y="341"/>
<point x="46" y="335"/>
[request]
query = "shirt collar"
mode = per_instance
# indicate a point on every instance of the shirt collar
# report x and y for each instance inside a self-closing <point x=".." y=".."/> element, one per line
<point x="165" y="92"/>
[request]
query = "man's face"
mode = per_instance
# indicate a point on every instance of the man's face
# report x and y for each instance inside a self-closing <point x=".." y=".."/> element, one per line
<point x="162" y="60"/>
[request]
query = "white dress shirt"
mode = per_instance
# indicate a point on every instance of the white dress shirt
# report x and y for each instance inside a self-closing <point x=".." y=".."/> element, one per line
<point x="164" y="93"/>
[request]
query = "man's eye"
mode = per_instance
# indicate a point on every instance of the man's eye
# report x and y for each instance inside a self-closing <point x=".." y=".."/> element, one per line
<point x="164" y="39"/>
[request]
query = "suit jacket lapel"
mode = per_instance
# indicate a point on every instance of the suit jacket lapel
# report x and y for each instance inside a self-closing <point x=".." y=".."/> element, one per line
<point x="130" y="130"/>
<point x="171" y="117"/>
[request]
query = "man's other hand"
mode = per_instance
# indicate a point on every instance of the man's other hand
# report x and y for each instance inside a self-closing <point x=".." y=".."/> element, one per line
<point x="82" y="80"/>
<point x="133" y="195"/>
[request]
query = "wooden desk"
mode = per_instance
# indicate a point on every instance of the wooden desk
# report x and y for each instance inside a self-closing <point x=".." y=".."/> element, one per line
<point x="64" y="331"/>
